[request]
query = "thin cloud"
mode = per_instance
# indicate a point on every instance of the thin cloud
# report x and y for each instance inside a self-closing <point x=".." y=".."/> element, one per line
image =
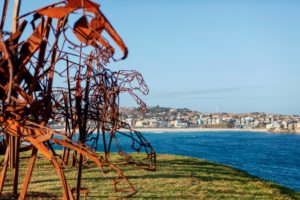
<point x="210" y="91"/>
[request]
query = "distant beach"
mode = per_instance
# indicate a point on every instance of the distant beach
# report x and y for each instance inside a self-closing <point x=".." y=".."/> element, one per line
<point x="196" y="129"/>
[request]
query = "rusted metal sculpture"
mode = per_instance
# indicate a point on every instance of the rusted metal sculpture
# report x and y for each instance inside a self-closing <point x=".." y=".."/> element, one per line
<point x="75" y="54"/>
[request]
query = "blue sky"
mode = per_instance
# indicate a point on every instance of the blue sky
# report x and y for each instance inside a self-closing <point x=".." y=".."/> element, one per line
<point x="243" y="55"/>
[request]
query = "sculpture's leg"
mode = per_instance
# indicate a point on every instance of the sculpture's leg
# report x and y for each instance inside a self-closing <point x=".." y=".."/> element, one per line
<point x="79" y="176"/>
<point x="92" y="156"/>
<point x="28" y="173"/>
<point x="67" y="194"/>
<point x="153" y="161"/>
<point x="66" y="154"/>
<point x="16" y="165"/>
<point x="121" y="174"/>
<point x="4" y="169"/>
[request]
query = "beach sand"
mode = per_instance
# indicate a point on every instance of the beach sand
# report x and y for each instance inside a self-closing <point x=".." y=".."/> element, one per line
<point x="198" y="129"/>
<point x="172" y="130"/>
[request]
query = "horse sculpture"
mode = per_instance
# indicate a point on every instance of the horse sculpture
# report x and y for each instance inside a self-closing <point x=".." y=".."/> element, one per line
<point x="78" y="55"/>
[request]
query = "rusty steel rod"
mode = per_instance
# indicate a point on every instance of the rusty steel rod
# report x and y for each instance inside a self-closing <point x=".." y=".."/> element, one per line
<point x="30" y="99"/>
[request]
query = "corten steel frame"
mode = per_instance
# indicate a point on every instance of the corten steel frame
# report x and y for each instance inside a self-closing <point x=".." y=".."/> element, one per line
<point x="66" y="44"/>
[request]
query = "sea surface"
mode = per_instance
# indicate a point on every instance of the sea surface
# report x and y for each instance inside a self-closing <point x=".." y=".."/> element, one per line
<point x="270" y="156"/>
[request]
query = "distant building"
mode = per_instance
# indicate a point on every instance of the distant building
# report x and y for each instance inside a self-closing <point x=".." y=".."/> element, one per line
<point x="164" y="124"/>
<point x="269" y="126"/>
<point x="273" y="126"/>
<point x="172" y="123"/>
<point x="147" y="123"/>
<point x="140" y="123"/>
<point x="298" y="126"/>
<point x="285" y="125"/>
<point x="200" y="122"/>
<point x="256" y="123"/>
<point x="291" y="126"/>
<point x="181" y="124"/>
<point x="129" y="121"/>
<point x="213" y="121"/>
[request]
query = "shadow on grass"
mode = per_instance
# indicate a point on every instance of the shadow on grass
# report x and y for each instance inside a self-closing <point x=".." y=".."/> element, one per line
<point x="32" y="195"/>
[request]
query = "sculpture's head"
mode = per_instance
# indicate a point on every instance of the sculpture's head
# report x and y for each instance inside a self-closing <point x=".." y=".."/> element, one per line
<point x="90" y="26"/>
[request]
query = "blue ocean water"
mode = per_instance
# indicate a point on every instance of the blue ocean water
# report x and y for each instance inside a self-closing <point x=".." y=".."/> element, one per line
<point x="270" y="156"/>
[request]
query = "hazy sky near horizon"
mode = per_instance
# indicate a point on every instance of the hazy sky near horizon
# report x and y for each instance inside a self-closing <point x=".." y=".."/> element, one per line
<point x="242" y="55"/>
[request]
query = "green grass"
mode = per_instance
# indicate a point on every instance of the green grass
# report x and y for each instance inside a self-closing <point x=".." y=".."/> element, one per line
<point x="177" y="177"/>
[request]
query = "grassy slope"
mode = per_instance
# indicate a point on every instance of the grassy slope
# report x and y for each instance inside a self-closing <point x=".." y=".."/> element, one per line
<point x="177" y="178"/>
